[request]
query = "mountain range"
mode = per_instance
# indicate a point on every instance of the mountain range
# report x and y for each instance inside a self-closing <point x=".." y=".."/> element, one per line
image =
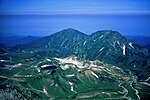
<point x="10" y="41"/>
<point x="72" y="65"/>
<point x="106" y="45"/>
<point x="145" y="40"/>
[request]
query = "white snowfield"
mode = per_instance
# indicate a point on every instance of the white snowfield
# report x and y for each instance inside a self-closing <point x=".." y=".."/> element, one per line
<point x="45" y="91"/>
<point x="10" y="67"/>
<point x="65" y="67"/>
<point x="48" y="60"/>
<point x="118" y="43"/>
<point x="124" y="50"/>
<point x="101" y="48"/>
<point x="130" y="44"/>
<point x="17" y="65"/>
<point x="65" y="63"/>
<point x="84" y="43"/>
<point x="95" y="75"/>
<point x="38" y="70"/>
<point x="28" y="75"/>
<point x="2" y="60"/>
<point x="70" y="75"/>
<point x="44" y="66"/>
<point x="71" y="84"/>
<point x="148" y="79"/>
<point x="101" y="36"/>
<point x="71" y="60"/>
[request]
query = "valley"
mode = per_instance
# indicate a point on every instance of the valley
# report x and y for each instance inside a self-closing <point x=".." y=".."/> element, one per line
<point x="73" y="79"/>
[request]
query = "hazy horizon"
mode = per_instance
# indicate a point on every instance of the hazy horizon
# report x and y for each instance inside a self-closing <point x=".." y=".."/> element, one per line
<point x="42" y="18"/>
<point x="44" y="25"/>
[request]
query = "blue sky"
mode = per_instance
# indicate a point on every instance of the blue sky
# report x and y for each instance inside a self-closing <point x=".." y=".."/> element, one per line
<point x="74" y="6"/>
<point x="72" y="15"/>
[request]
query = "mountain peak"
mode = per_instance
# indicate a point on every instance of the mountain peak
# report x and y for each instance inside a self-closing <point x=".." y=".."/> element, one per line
<point x="106" y="32"/>
<point x="71" y="29"/>
<point x="108" y="35"/>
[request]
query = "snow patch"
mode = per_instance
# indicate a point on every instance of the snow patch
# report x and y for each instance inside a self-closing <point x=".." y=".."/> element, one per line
<point x="45" y="91"/>
<point x="124" y="50"/>
<point x="78" y="70"/>
<point x="71" y="84"/>
<point x="48" y="60"/>
<point x="72" y="88"/>
<point x="28" y="75"/>
<point x="94" y="74"/>
<point x="147" y="78"/>
<point x="84" y="43"/>
<point x="71" y="75"/>
<point x="17" y="65"/>
<point x="118" y="42"/>
<point x="44" y="66"/>
<point x="95" y="40"/>
<point x="130" y="44"/>
<point x="101" y="36"/>
<point x="38" y="70"/>
<point x="65" y="67"/>
<point x="101" y="48"/>
<point x="71" y="60"/>
<point x="2" y="60"/>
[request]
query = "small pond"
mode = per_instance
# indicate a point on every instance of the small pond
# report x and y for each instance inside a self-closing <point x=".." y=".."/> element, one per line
<point x="49" y="67"/>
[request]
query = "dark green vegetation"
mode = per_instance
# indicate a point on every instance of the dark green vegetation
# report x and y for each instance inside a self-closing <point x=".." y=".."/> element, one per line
<point x="73" y="79"/>
<point x="104" y="65"/>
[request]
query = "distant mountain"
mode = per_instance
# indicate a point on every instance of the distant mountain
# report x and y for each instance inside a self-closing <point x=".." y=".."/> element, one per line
<point x="2" y="50"/>
<point x="107" y="46"/>
<point x="3" y="57"/>
<point x="145" y="40"/>
<point x="10" y="41"/>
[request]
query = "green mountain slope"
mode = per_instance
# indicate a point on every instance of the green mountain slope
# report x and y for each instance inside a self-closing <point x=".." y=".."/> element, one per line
<point x="72" y="65"/>
<point x="111" y="47"/>
<point x="65" y="42"/>
<point x="73" y="78"/>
